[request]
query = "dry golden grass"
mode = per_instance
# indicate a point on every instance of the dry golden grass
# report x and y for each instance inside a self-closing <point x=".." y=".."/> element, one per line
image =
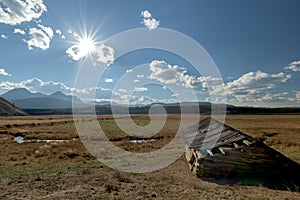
<point x="281" y="132"/>
<point x="65" y="170"/>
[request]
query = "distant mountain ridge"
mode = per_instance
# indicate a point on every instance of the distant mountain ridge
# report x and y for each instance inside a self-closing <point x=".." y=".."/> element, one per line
<point x="59" y="103"/>
<point x="20" y="93"/>
<point x="25" y="99"/>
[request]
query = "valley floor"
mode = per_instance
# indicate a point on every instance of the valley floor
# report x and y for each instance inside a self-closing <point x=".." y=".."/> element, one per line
<point x="66" y="170"/>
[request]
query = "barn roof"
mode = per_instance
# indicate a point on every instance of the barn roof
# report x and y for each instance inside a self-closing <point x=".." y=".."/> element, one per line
<point x="219" y="153"/>
<point x="213" y="133"/>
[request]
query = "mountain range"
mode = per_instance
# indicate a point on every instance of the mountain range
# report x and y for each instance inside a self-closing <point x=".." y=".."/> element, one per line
<point x="25" y="99"/>
<point x="59" y="103"/>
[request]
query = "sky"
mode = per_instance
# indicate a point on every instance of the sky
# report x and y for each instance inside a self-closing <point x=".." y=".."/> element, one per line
<point x="74" y="46"/>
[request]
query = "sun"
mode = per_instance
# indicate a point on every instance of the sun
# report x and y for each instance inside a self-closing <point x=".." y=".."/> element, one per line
<point x="86" y="45"/>
<point x="83" y="46"/>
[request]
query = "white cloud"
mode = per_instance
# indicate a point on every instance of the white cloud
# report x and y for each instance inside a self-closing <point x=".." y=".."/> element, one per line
<point x="256" y="81"/>
<point x="128" y="70"/>
<point x="210" y="81"/>
<point x="294" y="66"/>
<point x="75" y="52"/>
<point x="140" y="89"/>
<point x="257" y="97"/>
<point x="149" y="100"/>
<point x="149" y="21"/>
<point x="253" y="87"/>
<point x="58" y="32"/>
<point x="78" y="50"/>
<point x="61" y="35"/>
<point x="165" y="73"/>
<point x="4" y="36"/>
<point x="14" y="12"/>
<point x="140" y="75"/>
<point x="19" y="31"/>
<point x="74" y="34"/>
<point x="4" y="73"/>
<point x="136" y="81"/>
<point x="297" y="94"/>
<point x="36" y="85"/>
<point x="122" y="90"/>
<point x="146" y="14"/>
<point x="168" y="74"/>
<point x="39" y="38"/>
<point x="105" y="54"/>
<point x="151" y="24"/>
<point x="269" y="100"/>
<point x="86" y="94"/>
<point x="109" y="80"/>
<point x="47" y="30"/>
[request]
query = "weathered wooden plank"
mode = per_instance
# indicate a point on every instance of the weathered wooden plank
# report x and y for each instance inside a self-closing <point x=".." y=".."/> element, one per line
<point x="238" y="158"/>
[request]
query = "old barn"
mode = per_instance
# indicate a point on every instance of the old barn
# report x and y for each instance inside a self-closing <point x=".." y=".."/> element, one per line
<point x="237" y="158"/>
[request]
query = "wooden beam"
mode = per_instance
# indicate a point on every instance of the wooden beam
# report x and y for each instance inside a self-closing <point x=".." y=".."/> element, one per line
<point x="235" y="145"/>
<point x="209" y="152"/>
<point x="246" y="142"/>
<point x="222" y="151"/>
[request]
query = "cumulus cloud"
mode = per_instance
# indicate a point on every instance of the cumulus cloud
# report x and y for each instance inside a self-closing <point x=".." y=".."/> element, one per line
<point x="294" y="66"/>
<point x="75" y="52"/>
<point x="4" y="73"/>
<point x="105" y="54"/>
<point x="4" y="36"/>
<point x="14" y="12"/>
<point x="168" y="74"/>
<point x="61" y="35"/>
<point x="85" y="94"/>
<point x="150" y="100"/>
<point x="146" y="14"/>
<point x="58" y="32"/>
<point x="149" y="21"/>
<point x="165" y="73"/>
<point x="19" y="31"/>
<point x="256" y="81"/>
<point x="36" y="85"/>
<point x="39" y="37"/>
<point x="109" y="80"/>
<point x="253" y="87"/>
<point x="140" y="89"/>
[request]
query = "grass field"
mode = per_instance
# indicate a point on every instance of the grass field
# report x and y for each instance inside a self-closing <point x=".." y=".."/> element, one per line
<point x="66" y="170"/>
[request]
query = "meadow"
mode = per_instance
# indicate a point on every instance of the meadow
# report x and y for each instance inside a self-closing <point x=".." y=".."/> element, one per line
<point x="64" y="169"/>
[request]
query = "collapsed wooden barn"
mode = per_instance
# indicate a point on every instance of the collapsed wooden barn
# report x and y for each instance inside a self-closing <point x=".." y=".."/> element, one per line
<point x="237" y="158"/>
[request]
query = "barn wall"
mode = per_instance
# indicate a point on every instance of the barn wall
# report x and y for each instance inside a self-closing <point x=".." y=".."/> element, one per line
<point x="251" y="165"/>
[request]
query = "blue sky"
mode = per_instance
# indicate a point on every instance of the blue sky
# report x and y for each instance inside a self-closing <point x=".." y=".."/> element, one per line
<point x="254" y="44"/>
